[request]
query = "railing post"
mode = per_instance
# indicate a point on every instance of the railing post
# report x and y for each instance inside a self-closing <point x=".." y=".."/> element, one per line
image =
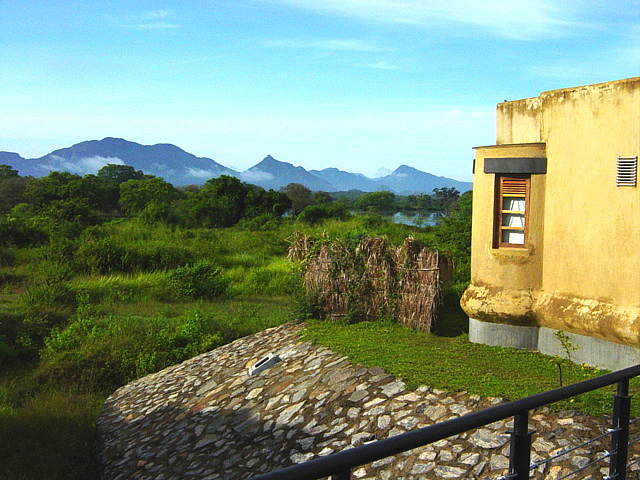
<point x="620" y="434"/>
<point x="344" y="475"/>
<point x="520" y="449"/>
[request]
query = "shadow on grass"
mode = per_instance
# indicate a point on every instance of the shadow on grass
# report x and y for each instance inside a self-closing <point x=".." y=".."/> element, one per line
<point x="450" y="320"/>
<point x="50" y="437"/>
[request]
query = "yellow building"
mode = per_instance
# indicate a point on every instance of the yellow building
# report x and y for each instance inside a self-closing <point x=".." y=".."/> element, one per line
<point x="556" y="225"/>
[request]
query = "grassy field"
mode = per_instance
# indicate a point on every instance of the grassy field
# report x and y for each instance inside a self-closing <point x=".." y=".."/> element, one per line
<point x="81" y="316"/>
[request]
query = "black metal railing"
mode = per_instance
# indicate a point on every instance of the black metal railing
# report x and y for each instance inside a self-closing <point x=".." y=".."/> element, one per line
<point x="339" y="465"/>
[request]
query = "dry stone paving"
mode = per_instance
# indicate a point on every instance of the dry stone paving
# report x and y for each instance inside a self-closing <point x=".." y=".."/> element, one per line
<point x="208" y="419"/>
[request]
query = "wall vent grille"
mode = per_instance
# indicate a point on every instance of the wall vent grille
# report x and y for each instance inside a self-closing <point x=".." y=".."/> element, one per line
<point x="627" y="172"/>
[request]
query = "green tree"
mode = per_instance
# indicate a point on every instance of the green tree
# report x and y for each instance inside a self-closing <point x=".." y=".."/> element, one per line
<point x="55" y="186"/>
<point x="11" y="192"/>
<point x="66" y="186"/>
<point x="112" y="176"/>
<point x="446" y="197"/>
<point x="454" y="236"/>
<point x="100" y="195"/>
<point x="6" y="171"/>
<point x="299" y="195"/>
<point x="225" y="200"/>
<point x="314" y="214"/>
<point x="321" y="197"/>
<point x="116" y="174"/>
<point x="69" y="216"/>
<point x="379" y="202"/>
<point x="150" y="197"/>
<point x="418" y="203"/>
<point x="221" y="202"/>
<point x="259" y="201"/>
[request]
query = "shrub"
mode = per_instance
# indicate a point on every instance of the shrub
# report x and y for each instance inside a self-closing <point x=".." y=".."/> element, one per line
<point x="102" y="353"/>
<point x="314" y="214"/>
<point x="100" y="256"/>
<point x="108" y="255"/>
<point x="158" y="255"/>
<point x="266" y="221"/>
<point x="203" y="280"/>
<point x="20" y="232"/>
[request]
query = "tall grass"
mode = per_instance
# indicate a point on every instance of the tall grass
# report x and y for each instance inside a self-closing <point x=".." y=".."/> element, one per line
<point x="121" y="288"/>
<point x="276" y="277"/>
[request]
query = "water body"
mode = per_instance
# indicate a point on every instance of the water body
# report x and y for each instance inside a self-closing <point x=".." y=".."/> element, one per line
<point x="418" y="220"/>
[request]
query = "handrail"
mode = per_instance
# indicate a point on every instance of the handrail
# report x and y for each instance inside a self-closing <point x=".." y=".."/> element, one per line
<point x="345" y="460"/>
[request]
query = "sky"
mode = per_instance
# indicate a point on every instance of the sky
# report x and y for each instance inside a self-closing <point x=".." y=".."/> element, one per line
<point x="360" y="85"/>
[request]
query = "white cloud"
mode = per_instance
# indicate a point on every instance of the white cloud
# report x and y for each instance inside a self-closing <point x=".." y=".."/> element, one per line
<point x="382" y="172"/>
<point x="255" y="175"/>
<point x="201" y="173"/>
<point x="162" y="169"/>
<point x="339" y="44"/>
<point x="82" y="166"/>
<point x="519" y="19"/>
<point x="47" y="167"/>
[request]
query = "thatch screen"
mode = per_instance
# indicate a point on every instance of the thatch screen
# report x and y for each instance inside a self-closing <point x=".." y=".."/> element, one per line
<point x="371" y="278"/>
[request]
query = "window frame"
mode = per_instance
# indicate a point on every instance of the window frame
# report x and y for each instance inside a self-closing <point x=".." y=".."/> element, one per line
<point x="524" y="180"/>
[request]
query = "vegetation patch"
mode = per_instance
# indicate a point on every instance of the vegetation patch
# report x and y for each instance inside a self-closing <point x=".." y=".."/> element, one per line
<point x="455" y="364"/>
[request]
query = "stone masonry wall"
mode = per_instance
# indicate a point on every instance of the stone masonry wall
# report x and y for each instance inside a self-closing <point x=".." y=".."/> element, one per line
<point x="208" y="419"/>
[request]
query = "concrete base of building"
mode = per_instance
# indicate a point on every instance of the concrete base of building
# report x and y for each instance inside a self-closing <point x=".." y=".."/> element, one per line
<point x="592" y="351"/>
<point x="501" y="335"/>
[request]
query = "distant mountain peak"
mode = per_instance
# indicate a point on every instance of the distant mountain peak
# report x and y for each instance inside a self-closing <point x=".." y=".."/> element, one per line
<point x="275" y="174"/>
<point x="406" y="169"/>
<point x="179" y="167"/>
<point x="163" y="160"/>
<point x="270" y="161"/>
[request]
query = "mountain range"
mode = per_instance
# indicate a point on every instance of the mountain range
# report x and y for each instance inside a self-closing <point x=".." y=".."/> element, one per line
<point x="182" y="168"/>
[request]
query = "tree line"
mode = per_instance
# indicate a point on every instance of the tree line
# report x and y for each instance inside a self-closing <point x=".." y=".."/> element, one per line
<point x="65" y="202"/>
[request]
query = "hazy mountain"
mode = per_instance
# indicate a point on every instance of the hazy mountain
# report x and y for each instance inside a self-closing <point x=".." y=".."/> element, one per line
<point x="406" y="180"/>
<point x="164" y="160"/>
<point x="272" y="173"/>
<point x="14" y="160"/>
<point x="182" y="168"/>
<point x="343" y="181"/>
<point x="8" y="158"/>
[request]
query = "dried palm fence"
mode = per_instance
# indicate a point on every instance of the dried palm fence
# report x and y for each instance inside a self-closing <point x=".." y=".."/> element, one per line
<point x="370" y="278"/>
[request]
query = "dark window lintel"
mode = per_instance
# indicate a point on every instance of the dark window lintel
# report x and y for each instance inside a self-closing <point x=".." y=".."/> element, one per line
<point x="530" y="165"/>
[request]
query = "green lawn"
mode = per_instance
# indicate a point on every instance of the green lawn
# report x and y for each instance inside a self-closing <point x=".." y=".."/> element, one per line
<point x="455" y="364"/>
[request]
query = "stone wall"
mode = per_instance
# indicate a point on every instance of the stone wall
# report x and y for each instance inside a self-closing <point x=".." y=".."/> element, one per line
<point x="208" y="419"/>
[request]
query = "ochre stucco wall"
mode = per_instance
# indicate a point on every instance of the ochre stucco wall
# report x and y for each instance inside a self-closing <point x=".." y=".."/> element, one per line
<point x="581" y="269"/>
<point x="592" y="227"/>
<point x="518" y="121"/>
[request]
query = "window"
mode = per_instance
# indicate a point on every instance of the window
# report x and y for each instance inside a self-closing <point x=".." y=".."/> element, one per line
<point x="511" y="215"/>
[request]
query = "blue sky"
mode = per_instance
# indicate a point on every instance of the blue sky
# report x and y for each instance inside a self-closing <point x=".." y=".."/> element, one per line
<point x="362" y="85"/>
